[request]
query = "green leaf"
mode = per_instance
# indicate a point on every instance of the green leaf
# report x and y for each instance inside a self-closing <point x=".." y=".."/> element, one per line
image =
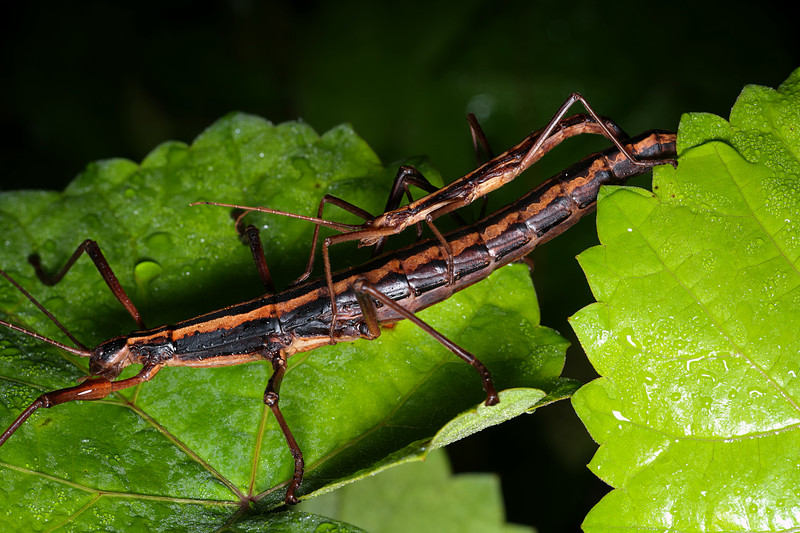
<point x="696" y="330"/>
<point x="195" y="448"/>
<point x="420" y="497"/>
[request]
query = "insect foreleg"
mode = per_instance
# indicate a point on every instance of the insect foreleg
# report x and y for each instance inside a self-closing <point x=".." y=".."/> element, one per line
<point x="94" y="388"/>
<point x="92" y="249"/>
<point x="347" y="206"/>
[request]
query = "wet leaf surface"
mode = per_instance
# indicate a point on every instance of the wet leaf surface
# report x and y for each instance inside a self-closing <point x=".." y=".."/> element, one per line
<point x="696" y="330"/>
<point x="196" y="449"/>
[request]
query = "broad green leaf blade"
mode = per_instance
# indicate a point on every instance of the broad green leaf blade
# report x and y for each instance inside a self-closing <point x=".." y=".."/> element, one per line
<point x="513" y="402"/>
<point x="198" y="443"/>
<point x="420" y="497"/>
<point x="696" y="331"/>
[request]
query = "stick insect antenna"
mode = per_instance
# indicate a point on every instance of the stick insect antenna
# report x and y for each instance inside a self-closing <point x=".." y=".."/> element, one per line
<point x="82" y="350"/>
<point x="327" y="223"/>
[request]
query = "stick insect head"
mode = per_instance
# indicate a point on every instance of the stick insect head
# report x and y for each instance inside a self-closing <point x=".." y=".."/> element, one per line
<point x="109" y="358"/>
<point x="106" y="360"/>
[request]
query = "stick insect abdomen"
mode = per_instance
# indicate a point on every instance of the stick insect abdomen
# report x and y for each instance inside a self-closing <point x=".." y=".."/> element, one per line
<point x="417" y="277"/>
<point x="513" y="232"/>
<point x="573" y="193"/>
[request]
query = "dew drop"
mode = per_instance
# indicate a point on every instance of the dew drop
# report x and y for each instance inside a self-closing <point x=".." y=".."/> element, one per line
<point x="327" y="528"/>
<point x="159" y="243"/>
<point x="647" y="377"/>
<point x="202" y="264"/>
<point x="49" y="246"/>
<point x="690" y="361"/>
<point x="145" y="272"/>
<point x="620" y="416"/>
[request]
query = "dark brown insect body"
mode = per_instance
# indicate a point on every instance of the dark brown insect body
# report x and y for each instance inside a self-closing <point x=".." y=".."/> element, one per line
<point x="299" y="319"/>
<point x="388" y="288"/>
<point x="460" y="193"/>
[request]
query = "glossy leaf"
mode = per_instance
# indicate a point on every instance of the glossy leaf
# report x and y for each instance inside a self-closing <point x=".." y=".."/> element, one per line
<point x="197" y="448"/>
<point x="696" y="330"/>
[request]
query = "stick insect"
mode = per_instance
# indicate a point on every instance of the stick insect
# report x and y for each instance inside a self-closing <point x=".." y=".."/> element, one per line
<point x="391" y="287"/>
<point x="460" y="193"/>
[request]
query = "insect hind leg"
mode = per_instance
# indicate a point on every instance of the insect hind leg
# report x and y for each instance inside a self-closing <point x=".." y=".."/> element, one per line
<point x="365" y="290"/>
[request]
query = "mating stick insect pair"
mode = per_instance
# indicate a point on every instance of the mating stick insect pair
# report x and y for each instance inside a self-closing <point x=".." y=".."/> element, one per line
<point x="354" y="303"/>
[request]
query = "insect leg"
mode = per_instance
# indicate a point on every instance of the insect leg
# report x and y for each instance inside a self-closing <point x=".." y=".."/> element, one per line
<point x="347" y="206"/>
<point x="93" y="251"/>
<point x="93" y="388"/>
<point x="252" y="236"/>
<point x="608" y="131"/>
<point x="446" y="250"/>
<point x="406" y="177"/>
<point x="364" y="288"/>
<point x="479" y="140"/>
<point x="271" y="399"/>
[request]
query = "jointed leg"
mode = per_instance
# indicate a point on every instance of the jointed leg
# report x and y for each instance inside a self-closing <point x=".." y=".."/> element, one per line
<point x="447" y="252"/>
<point x="347" y="206"/>
<point x="93" y="251"/>
<point x="271" y="399"/>
<point x="93" y="388"/>
<point x="252" y="235"/>
<point x="406" y="177"/>
<point x="365" y="290"/>
<point x="479" y="140"/>
<point x="612" y="132"/>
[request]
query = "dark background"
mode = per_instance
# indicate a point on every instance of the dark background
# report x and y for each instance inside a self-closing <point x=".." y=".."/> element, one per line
<point x="93" y="80"/>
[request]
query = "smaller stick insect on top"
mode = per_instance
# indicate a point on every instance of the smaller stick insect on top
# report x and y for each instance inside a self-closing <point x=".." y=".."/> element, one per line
<point x="488" y="177"/>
